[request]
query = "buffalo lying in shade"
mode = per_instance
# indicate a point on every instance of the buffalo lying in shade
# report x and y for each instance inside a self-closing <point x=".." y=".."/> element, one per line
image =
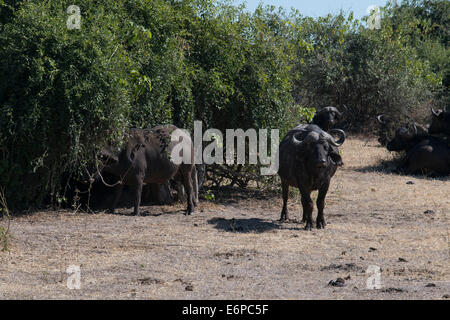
<point x="424" y="153"/>
<point x="308" y="159"/>
<point x="388" y="125"/>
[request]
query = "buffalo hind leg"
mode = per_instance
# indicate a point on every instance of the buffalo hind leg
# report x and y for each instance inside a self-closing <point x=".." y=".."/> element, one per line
<point x="285" y="191"/>
<point x="117" y="193"/>
<point x="304" y="215"/>
<point x="138" y="193"/>
<point x="187" y="182"/>
<point x="320" y="223"/>
<point x="195" y="182"/>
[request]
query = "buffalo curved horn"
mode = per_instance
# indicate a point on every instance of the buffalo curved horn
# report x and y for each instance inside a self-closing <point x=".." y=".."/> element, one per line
<point x="413" y="125"/>
<point x="435" y="112"/>
<point x="341" y="139"/>
<point x="380" y="119"/>
<point x="312" y="136"/>
<point x="415" y="128"/>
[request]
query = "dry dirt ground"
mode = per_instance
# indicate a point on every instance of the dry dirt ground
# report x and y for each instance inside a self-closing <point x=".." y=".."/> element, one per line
<point x="234" y="247"/>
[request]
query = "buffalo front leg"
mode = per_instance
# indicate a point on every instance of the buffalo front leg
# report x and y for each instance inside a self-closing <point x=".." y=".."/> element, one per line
<point x="301" y="193"/>
<point x="403" y="166"/>
<point x="137" y="199"/>
<point x="320" y="223"/>
<point x="308" y="206"/>
<point x="195" y="182"/>
<point x="117" y="193"/>
<point x="285" y="191"/>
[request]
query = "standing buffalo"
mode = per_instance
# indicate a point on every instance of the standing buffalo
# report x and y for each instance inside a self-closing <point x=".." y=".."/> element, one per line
<point x="146" y="158"/>
<point x="308" y="158"/>
<point x="327" y="117"/>
<point x="423" y="152"/>
<point x="440" y="122"/>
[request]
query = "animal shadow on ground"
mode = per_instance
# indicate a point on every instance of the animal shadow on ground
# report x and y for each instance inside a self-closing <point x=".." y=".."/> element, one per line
<point x="384" y="166"/>
<point x="128" y="211"/>
<point x="252" y="225"/>
<point x="163" y="212"/>
<point x="227" y="195"/>
<point x="390" y="167"/>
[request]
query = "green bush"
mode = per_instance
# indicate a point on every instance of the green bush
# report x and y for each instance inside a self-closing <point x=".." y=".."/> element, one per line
<point x="371" y="72"/>
<point x="65" y="93"/>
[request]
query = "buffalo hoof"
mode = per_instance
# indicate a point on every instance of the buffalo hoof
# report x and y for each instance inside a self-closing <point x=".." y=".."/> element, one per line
<point x="308" y="226"/>
<point x="189" y="212"/>
<point x="320" y="225"/>
<point x="111" y="211"/>
<point x="284" y="216"/>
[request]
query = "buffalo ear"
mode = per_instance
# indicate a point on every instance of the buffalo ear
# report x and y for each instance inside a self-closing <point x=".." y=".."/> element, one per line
<point x="336" y="158"/>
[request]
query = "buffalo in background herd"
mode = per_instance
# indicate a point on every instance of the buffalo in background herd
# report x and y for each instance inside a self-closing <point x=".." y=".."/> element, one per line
<point x="440" y="123"/>
<point x="145" y="158"/>
<point x="327" y="118"/>
<point x="425" y="151"/>
<point x="308" y="159"/>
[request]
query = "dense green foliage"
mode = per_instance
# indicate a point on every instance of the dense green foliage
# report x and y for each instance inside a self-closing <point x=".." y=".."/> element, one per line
<point x="64" y="92"/>
<point x="371" y="71"/>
